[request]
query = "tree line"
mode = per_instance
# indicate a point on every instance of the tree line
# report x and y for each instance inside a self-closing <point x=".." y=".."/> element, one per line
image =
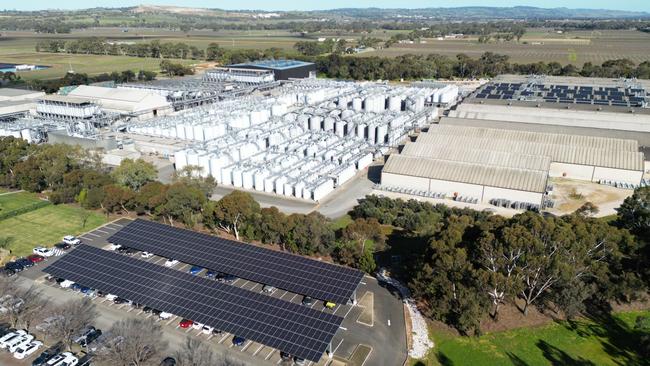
<point x="462" y="265"/>
<point x="69" y="174"/>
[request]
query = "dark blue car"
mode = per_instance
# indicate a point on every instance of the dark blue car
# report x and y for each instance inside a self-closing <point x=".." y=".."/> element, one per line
<point x="195" y="270"/>
<point x="15" y="266"/>
<point x="25" y="262"/>
<point x="210" y="274"/>
<point x="238" y="341"/>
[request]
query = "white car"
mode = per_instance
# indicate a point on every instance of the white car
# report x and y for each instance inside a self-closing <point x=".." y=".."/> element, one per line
<point x="111" y="297"/>
<point x="69" y="239"/>
<point x="9" y="336"/>
<point x="45" y="252"/>
<point x="16" y="343"/>
<point x="63" y="359"/>
<point x="146" y="255"/>
<point x="165" y="316"/>
<point x="66" y="284"/>
<point x="27" y="349"/>
<point x="197" y="326"/>
<point x="207" y="330"/>
<point x="171" y="262"/>
<point x="114" y="247"/>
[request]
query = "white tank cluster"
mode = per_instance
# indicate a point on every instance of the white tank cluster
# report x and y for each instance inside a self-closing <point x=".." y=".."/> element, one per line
<point x="304" y="140"/>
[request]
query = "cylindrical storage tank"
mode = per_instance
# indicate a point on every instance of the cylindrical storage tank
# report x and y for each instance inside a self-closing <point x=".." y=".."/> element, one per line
<point x="364" y="161"/>
<point x="347" y="114"/>
<point x="198" y="133"/>
<point x="361" y="130"/>
<point x="247" y="179"/>
<point x="328" y="124"/>
<point x="345" y="175"/>
<point x="269" y="184"/>
<point x="237" y="177"/>
<point x="298" y="189"/>
<point x="357" y="104"/>
<point x="192" y="158"/>
<point x="394" y="103"/>
<point x="204" y="164"/>
<point x="372" y="130"/>
<point x="279" y="185"/>
<point x="340" y="128"/>
<point x="180" y="159"/>
<point x="323" y="189"/>
<point x="26" y="134"/>
<point x="189" y="132"/>
<point x="288" y="189"/>
<point x="180" y="131"/>
<point x="315" y="123"/>
<point x="382" y="132"/>
<point x="226" y="175"/>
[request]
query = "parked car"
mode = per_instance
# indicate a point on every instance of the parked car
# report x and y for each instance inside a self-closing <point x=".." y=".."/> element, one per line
<point x="27" y="350"/>
<point x="147" y="310"/>
<point x="210" y="274"/>
<point x="268" y="289"/>
<point x="285" y="356"/>
<point x="197" y="326"/>
<point x="48" y="354"/>
<point x="8" y="272"/>
<point x="194" y="270"/>
<point x="63" y="359"/>
<point x="4" y="341"/>
<point x="330" y="305"/>
<point x="16" y="343"/>
<point x="223" y="277"/>
<point x="216" y="331"/>
<point x="162" y="315"/>
<point x="25" y="262"/>
<point x="14" y="266"/>
<point x="119" y="301"/>
<point x="63" y="246"/>
<point x="307" y="301"/>
<point x="69" y="239"/>
<point x="66" y="284"/>
<point x="114" y="247"/>
<point x="238" y="341"/>
<point x="207" y="330"/>
<point x="171" y="262"/>
<point x="90" y="338"/>
<point x="45" y="252"/>
<point x="35" y="258"/>
<point x="185" y="323"/>
<point x="168" y="361"/>
<point x="299" y="361"/>
<point x="146" y="255"/>
<point x="111" y="297"/>
<point x="89" y="330"/>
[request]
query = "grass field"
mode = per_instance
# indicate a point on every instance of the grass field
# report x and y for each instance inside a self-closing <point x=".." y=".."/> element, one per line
<point x="45" y="226"/>
<point x="608" y="341"/>
<point x="12" y="201"/>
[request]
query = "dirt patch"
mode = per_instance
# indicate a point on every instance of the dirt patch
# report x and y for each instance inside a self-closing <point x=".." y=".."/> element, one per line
<point x="360" y="355"/>
<point x="409" y="328"/>
<point x="367" y="303"/>
<point x="510" y="317"/>
<point x="569" y="195"/>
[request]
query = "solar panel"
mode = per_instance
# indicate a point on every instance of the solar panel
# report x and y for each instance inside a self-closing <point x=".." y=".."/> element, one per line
<point x="290" y="272"/>
<point x="292" y="328"/>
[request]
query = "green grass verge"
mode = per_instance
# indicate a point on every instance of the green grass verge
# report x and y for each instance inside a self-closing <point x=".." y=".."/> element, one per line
<point x="45" y="226"/>
<point x="341" y="222"/>
<point x="13" y="201"/>
<point x="607" y="341"/>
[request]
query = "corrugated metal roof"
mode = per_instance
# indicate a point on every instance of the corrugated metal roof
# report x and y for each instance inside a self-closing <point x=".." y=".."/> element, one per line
<point x="610" y="158"/>
<point x="487" y="175"/>
<point x="537" y="137"/>
<point x="65" y="99"/>
<point x="488" y="157"/>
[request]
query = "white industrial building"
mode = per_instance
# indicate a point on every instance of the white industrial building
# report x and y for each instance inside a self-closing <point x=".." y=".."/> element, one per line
<point x="484" y="164"/>
<point x="13" y="95"/>
<point x="303" y="140"/>
<point x="137" y="103"/>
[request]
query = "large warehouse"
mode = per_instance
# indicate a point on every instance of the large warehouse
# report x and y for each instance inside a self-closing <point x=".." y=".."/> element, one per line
<point x="507" y="164"/>
<point x="582" y="106"/>
<point x="138" y="103"/>
<point x="283" y="69"/>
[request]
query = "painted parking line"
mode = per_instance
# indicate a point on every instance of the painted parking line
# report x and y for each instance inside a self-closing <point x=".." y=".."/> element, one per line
<point x="337" y="346"/>
<point x="93" y="234"/>
<point x="159" y="260"/>
<point x="253" y="288"/>
<point x="280" y="360"/>
<point x="337" y="309"/>
<point x="349" y="310"/>
<point x="283" y="295"/>
<point x="270" y="354"/>
<point x="235" y="282"/>
<point x="246" y="346"/>
<point x="86" y="238"/>
<point x="294" y="296"/>
<point x="171" y="320"/>
<point x="210" y="336"/>
<point x="243" y="285"/>
<point x="189" y="329"/>
<point x="258" y="350"/>
<point x="223" y="338"/>
<point x="102" y="231"/>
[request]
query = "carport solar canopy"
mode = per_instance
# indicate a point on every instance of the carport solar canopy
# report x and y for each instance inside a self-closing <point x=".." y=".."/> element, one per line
<point x="279" y="269"/>
<point x="292" y="328"/>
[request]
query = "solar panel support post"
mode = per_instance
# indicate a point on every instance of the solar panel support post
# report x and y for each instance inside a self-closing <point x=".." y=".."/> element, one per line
<point x="330" y="352"/>
<point x="354" y="297"/>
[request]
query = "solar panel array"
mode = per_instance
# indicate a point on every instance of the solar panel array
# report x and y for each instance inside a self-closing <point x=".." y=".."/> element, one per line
<point x="292" y="328"/>
<point x="615" y="96"/>
<point x="290" y="272"/>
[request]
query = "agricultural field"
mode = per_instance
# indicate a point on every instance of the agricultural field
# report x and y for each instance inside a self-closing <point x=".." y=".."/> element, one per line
<point x="537" y="45"/>
<point x="46" y="226"/>
<point x="607" y="341"/>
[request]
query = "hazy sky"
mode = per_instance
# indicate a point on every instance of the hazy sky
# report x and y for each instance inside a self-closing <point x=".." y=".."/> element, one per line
<point x="638" y="5"/>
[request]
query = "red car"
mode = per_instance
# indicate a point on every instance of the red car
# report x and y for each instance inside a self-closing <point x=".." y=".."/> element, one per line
<point x="35" y="258"/>
<point x="185" y="323"/>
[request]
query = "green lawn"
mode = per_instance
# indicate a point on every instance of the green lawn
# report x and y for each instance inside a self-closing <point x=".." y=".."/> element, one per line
<point x="341" y="222"/>
<point x="45" y="226"/>
<point x="607" y="341"/>
<point x="12" y="201"/>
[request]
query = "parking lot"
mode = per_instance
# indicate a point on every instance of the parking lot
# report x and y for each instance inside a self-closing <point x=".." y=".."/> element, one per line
<point x="384" y="335"/>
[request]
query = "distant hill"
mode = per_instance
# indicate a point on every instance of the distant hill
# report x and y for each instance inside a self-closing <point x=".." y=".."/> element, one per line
<point x="484" y="12"/>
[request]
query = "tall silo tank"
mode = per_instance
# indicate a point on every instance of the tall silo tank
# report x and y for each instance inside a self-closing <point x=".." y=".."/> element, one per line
<point x="382" y="132"/>
<point x="372" y="133"/>
<point x="198" y="133"/>
<point x="279" y="184"/>
<point x="248" y="179"/>
<point x="361" y="130"/>
<point x="189" y="132"/>
<point x="180" y="159"/>
<point x="395" y="103"/>
<point x="192" y="158"/>
<point x="357" y="104"/>
<point x="180" y="131"/>
<point x="288" y="189"/>
<point x="269" y="184"/>
<point x="340" y="128"/>
<point x="347" y="114"/>
<point x="237" y="180"/>
<point x="315" y="123"/>
<point x="328" y="124"/>
<point x="226" y="175"/>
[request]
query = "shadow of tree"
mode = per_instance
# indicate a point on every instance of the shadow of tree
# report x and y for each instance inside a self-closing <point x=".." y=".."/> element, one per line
<point x="516" y="360"/>
<point x="558" y="357"/>
<point x="444" y="360"/>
